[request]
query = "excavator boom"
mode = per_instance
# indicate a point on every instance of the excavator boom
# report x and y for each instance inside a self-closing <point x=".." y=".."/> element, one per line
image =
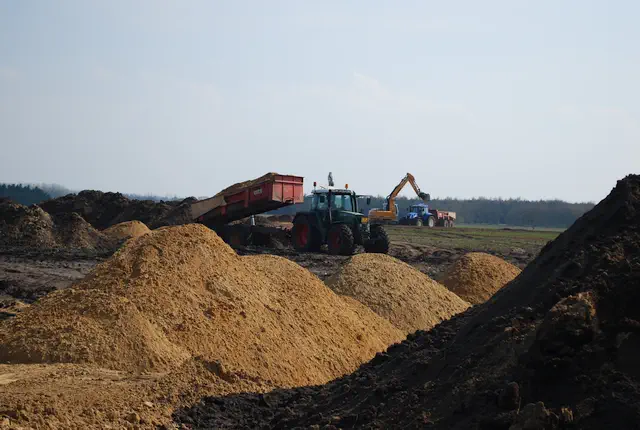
<point x="391" y="213"/>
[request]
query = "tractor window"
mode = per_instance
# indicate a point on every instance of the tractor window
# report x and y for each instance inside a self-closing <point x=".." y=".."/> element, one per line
<point x="319" y="202"/>
<point x="342" y="202"/>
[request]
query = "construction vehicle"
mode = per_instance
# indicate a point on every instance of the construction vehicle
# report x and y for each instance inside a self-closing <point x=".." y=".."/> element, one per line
<point x="334" y="219"/>
<point x="420" y="214"/>
<point x="246" y="199"/>
<point x="389" y="214"/>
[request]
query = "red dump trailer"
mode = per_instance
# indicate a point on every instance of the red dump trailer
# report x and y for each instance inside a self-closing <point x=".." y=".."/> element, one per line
<point x="266" y="193"/>
<point x="443" y="218"/>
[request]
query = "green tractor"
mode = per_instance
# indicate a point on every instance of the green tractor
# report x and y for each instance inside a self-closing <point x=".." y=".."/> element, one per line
<point x="334" y="220"/>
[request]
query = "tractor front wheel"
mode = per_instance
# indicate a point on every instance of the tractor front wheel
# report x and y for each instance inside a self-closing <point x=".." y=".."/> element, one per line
<point x="379" y="242"/>
<point x="341" y="240"/>
<point x="419" y="222"/>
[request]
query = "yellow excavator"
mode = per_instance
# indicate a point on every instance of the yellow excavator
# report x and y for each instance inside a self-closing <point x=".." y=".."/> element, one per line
<point x="389" y="214"/>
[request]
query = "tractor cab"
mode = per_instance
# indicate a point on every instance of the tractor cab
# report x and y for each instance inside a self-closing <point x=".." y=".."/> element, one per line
<point x="418" y="210"/>
<point x="419" y="215"/>
<point x="335" y="200"/>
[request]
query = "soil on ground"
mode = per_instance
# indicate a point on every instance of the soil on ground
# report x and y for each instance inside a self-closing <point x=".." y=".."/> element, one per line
<point x="556" y="348"/>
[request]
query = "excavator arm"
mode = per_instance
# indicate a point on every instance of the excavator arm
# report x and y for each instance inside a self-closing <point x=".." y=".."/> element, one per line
<point x="391" y="200"/>
<point x="391" y="214"/>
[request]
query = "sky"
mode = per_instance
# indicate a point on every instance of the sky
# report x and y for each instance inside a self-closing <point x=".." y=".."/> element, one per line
<point x="531" y="99"/>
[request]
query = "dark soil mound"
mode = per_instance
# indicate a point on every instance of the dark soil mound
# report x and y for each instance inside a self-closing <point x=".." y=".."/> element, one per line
<point x="31" y="227"/>
<point x="25" y="226"/>
<point x="103" y="210"/>
<point x="555" y="348"/>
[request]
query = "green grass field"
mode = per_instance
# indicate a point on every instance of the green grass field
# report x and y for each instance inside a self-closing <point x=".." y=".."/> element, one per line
<point x="494" y="239"/>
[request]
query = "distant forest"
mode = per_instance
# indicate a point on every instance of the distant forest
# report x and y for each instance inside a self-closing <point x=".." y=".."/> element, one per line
<point x="23" y="194"/>
<point x="515" y="212"/>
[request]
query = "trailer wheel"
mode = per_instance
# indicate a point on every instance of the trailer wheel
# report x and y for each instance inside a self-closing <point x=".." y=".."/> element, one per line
<point x="305" y="237"/>
<point x="452" y="223"/>
<point x="431" y="222"/>
<point x="379" y="242"/>
<point x="419" y="222"/>
<point x="446" y="223"/>
<point x="236" y="237"/>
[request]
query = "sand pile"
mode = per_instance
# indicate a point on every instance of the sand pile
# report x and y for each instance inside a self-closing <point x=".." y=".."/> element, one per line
<point x="556" y="348"/>
<point x="477" y="276"/>
<point x="73" y="396"/>
<point x="127" y="230"/>
<point x="181" y="292"/>
<point x="235" y="187"/>
<point x="396" y="291"/>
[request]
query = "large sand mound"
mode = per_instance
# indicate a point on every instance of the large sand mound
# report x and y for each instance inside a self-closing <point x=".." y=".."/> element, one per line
<point x="181" y="292"/>
<point x="127" y="230"/>
<point x="477" y="276"/>
<point x="393" y="289"/>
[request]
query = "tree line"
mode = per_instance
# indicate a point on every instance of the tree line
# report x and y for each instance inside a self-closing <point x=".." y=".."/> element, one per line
<point x="23" y="194"/>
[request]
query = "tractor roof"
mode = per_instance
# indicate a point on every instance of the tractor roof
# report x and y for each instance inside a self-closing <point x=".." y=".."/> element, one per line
<point x="333" y="190"/>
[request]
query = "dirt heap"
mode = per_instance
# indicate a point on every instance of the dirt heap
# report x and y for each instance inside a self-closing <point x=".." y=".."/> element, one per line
<point x="72" y="231"/>
<point x="25" y="226"/>
<point x="31" y="227"/>
<point x="557" y="347"/>
<point x="180" y="292"/>
<point x="126" y="230"/>
<point x="396" y="291"/>
<point x="477" y="276"/>
<point x="103" y="210"/>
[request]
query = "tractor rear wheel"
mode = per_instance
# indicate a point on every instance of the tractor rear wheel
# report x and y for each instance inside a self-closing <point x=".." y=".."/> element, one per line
<point x="431" y="222"/>
<point x="379" y="242"/>
<point x="305" y="237"/>
<point x="341" y="240"/>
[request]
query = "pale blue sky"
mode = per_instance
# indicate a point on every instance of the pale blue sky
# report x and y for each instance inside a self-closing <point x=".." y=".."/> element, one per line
<point x="533" y="99"/>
